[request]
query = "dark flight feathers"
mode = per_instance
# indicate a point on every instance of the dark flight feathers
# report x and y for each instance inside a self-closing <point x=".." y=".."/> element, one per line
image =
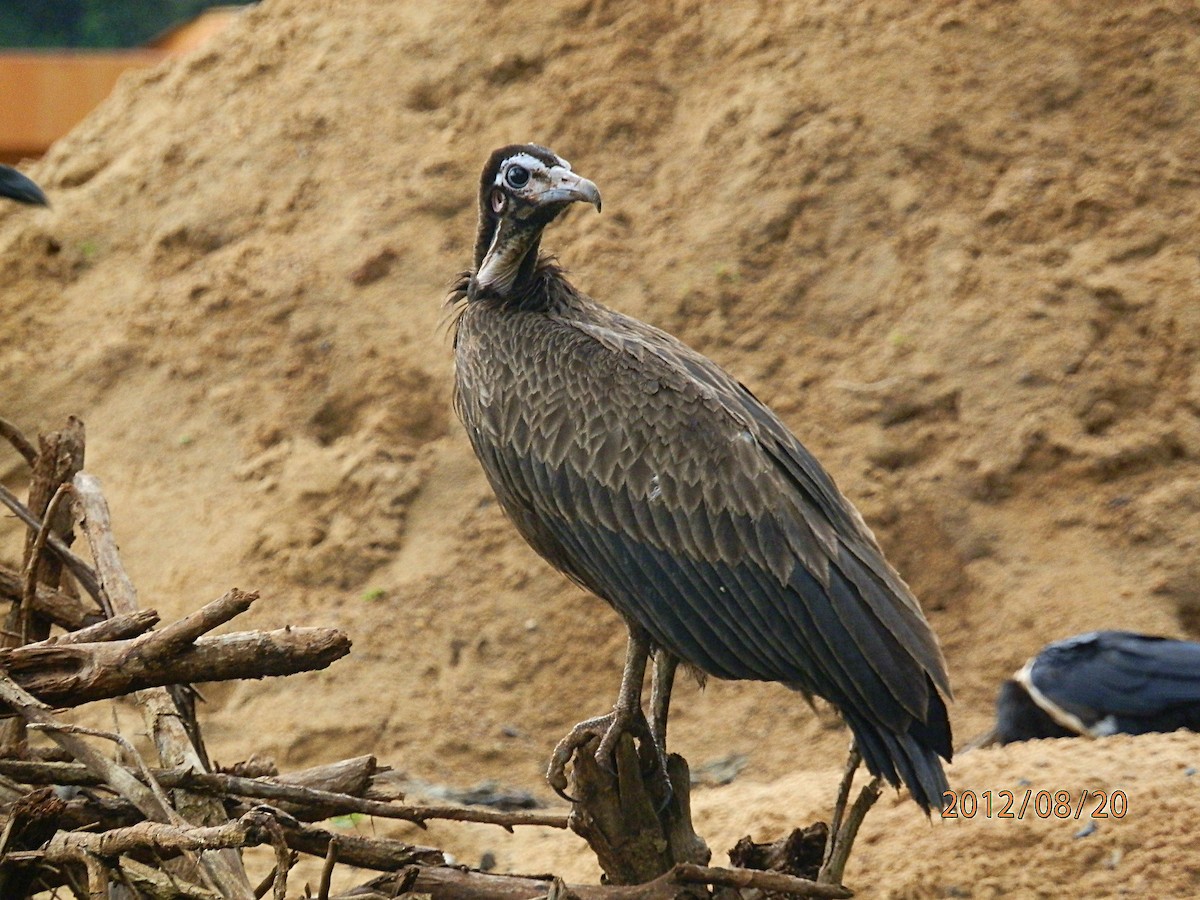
<point x="1104" y="682"/>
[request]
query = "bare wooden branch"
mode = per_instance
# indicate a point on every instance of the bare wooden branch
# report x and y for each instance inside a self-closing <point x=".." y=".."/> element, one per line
<point x="312" y="802"/>
<point x="843" y="841"/>
<point x="380" y="854"/>
<point x="349" y="777"/>
<point x="332" y="804"/>
<point x="163" y="719"/>
<point x="32" y="575"/>
<point x="635" y="831"/>
<point x="250" y="830"/>
<point x="446" y="883"/>
<point x="331" y="858"/>
<point x="775" y="882"/>
<point x="97" y="877"/>
<point x="69" y="674"/>
<point x="21" y="444"/>
<point x="178" y="635"/>
<point x="83" y="573"/>
<point x="155" y="884"/>
<point x="91" y="511"/>
<point x="118" y="628"/>
<point x="62" y="609"/>
<point x="354" y="776"/>
<point x="147" y="777"/>
<point x="33" y="711"/>
<point x="60" y="456"/>
<point x="32" y="820"/>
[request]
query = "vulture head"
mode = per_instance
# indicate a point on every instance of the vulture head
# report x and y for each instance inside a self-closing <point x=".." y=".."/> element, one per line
<point x="523" y="188"/>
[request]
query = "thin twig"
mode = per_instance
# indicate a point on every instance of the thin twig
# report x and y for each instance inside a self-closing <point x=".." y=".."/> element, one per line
<point x="776" y="882"/>
<point x="265" y="884"/>
<point x="853" y="759"/>
<point x="331" y="856"/>
<point x="283" y="858"/>
<point x="122" y="742"/>
<point x="21" y="444"/>
<point x="83" y="573"/>
<point x="34" y="562"/>
<point x="833" y="871"/>
<point x="35" y="713"/>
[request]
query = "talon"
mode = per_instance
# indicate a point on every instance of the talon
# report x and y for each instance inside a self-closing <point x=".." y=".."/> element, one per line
<point x="556" y="772"/>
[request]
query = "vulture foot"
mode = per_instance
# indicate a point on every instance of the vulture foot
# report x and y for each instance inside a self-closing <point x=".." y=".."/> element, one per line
<point x="609" y="728"/>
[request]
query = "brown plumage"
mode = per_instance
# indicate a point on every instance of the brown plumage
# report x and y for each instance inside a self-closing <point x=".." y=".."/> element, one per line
<point x="651" y="477"/>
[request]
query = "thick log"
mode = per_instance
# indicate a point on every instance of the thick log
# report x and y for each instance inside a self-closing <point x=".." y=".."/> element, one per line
<point x="636" y="833"/>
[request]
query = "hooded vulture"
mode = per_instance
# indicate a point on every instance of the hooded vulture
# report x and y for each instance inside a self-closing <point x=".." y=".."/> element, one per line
<point x="654" y="479"/>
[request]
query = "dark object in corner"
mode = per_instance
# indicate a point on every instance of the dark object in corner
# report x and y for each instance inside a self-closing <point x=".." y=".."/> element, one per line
<point x="20" y="187"/>
<point x="1101" y="683"/>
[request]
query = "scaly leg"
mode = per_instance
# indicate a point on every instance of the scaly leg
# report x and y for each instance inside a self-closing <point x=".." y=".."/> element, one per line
<point x="627" y="716"/>
<point x="660" y="697"/>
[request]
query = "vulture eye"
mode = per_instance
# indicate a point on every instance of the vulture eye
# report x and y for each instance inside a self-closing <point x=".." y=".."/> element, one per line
<point x="518" y="176"/>
<point x="498" y="200"/>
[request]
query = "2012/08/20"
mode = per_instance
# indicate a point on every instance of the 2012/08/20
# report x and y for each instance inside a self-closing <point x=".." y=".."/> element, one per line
<point x="1042" y="804"/>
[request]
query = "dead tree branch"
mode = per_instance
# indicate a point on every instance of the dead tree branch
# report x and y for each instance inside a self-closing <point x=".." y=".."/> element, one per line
<point x="65" y="674"/>
<point x="21" y="444"/>
<point x="83" y="573"/>
<point x="250" y="830"/>
<point x="163" y="718"/>
<point x="118" y="628"/>
<point x="446" y="883"/>
<point x="35" y="712"/>
<point x="62" y="609"/>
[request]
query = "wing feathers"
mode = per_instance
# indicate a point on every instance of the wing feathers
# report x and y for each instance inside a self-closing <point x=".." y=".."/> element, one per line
<point x="657" y="481"/>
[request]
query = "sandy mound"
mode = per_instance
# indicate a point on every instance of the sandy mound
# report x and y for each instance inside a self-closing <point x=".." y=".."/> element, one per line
<point x="953" y="245"/>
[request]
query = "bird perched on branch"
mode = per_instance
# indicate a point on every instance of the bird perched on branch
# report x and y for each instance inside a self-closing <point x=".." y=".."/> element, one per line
<point x="19" y="187"/>
<point x="654" y="479"/>
<point x="1101" y="683"/>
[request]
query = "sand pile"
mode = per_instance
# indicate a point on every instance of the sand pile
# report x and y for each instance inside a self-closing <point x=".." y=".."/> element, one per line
<point x="953" y="244"/>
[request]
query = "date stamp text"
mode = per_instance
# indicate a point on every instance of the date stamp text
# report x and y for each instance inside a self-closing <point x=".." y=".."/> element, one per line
<point x="1034" y="804"/>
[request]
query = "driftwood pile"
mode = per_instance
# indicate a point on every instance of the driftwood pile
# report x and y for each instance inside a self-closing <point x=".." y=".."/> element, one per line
<point x="84" y="814"/>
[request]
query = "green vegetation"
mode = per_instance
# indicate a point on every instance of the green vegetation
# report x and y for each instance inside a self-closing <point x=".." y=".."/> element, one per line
<point x="93" y="23"/>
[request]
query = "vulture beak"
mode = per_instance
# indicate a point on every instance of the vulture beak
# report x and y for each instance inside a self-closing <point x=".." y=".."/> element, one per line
<point x="19" y="187"/>
<point x="567" y="187"/>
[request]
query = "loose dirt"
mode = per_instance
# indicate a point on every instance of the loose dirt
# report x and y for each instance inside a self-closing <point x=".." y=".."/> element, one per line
<point x="953" y="244"/>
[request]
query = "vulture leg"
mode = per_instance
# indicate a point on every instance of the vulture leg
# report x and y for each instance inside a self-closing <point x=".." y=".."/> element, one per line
<point x="627" y="716"/>
<point x="660" y="697"/>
